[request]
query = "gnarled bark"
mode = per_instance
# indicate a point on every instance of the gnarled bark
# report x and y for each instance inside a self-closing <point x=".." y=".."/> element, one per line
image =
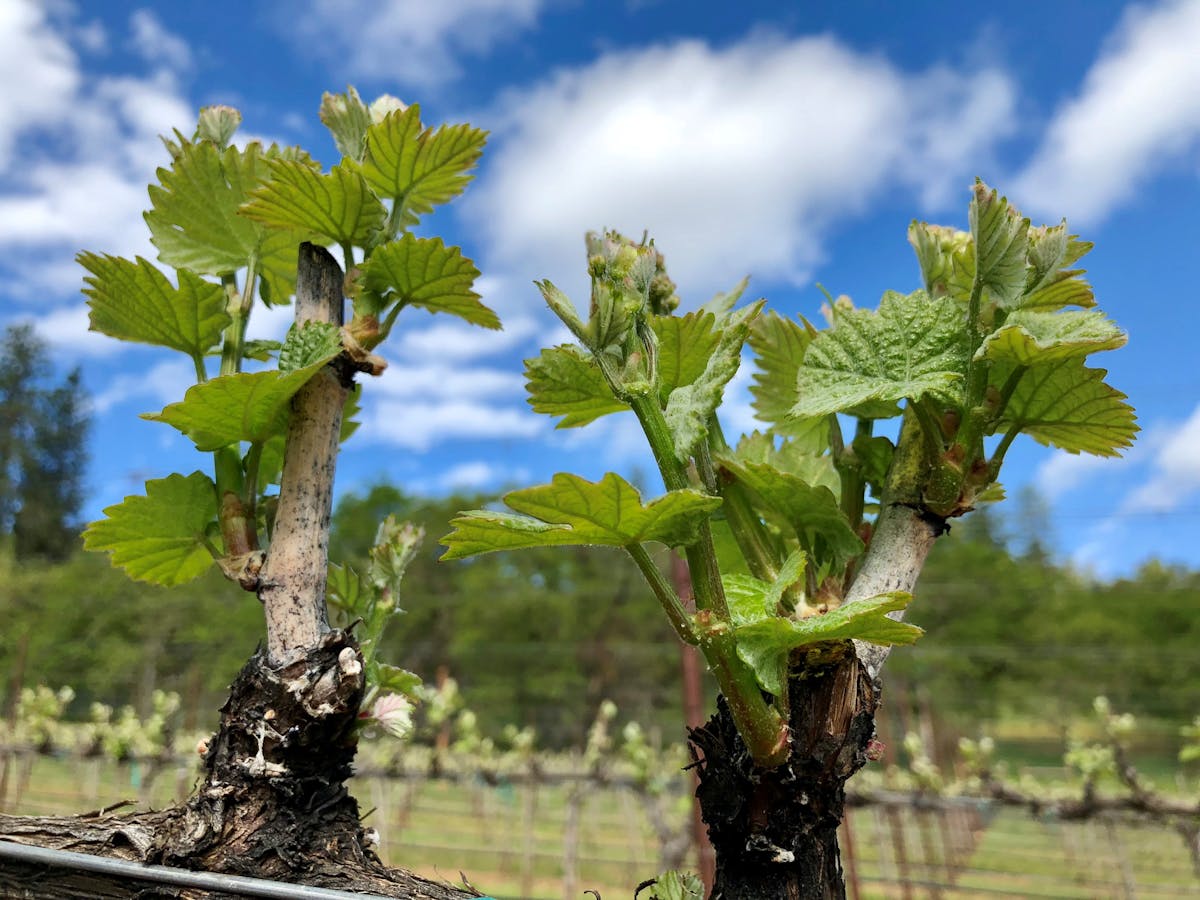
<point x="775" y="830"/>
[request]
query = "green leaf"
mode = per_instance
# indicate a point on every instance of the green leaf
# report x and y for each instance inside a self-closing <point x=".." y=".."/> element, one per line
<point x="218" y="124"/>
<point x="875" y="458"/>
<point x="751" y="599"/>
<point x="685" y="344"/>
<point x="261" y="350"/>
<point x="310" y="344"/>
<point x="946" y="258"/>
<point x="1001" y="238"/>
<point x="395" y="680"/>
<point x="1066" y="405"/>
<point x="338" y="207"/>
<point x="228" y="409"/>
<point x="347" y="118"/>
<point x="779" y="346"/>
<point x="912" y="346"/>
<point x="423" y="272"/>
<point x="765" y="645"/>
<point x="560" y="304"/>
<point x="277" y="254"/>
<point x="134" y="301"/>
<point x="159" y="537"/>
<point x="566" y="381"/>
<point x="419" y="168"/>
<point x="790" y="455"/>
<point x="573" y="511"/>
<point x="1049" y="283"/>
<point x="194" y="219"/>
<point x="811" y="511"/>
<point x="1033" y="336"/>
<point x="346" y="591"/>
<point x="675" y="885"/>
<point x="690" y="406"/>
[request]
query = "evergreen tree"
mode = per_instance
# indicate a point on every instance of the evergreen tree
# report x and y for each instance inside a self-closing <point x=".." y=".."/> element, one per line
<point x="43" y="454"/>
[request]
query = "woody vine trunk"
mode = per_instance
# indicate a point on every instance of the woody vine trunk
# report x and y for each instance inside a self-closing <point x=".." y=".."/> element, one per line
<point x="774" y="831"/>
<point x="273" y="801"/>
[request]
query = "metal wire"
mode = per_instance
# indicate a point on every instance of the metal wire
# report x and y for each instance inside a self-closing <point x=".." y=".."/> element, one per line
<point x="211" y="881"/>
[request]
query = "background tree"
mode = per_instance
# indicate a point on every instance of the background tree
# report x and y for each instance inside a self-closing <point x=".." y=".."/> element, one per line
<point x="43" y="455"/>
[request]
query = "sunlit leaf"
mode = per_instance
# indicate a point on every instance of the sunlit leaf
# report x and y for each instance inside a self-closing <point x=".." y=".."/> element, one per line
<point x="1031" y="336"/>
<point x="565" y="381"/>
<point x="339" y="206"/>
<point x="347" y="118"/>
<point x="159" y="537"/>
<point x="764" y="645"/>
<point x="571" y="511"/>
<point x="1066" y="405"/>
<point x="134" y="301"/>
<point x="1050" y="283"/>
<point x="417" y="167"/>
<point x="249" y="407"/>
<point x="690" y="406"/>
<point x="912" y="346"/>
<point x="1001" y="239"/>
<point x="423" y="272"/>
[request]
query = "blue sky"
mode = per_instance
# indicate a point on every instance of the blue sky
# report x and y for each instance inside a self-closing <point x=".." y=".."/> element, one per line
<point x="793" y="142"/>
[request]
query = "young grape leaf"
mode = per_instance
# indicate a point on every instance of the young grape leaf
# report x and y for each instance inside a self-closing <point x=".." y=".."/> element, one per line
<point x="779" y="346"/>
<point x="1033" y="336"/>
<point x="946" y="258"/>
<point x="419" y="168"/>
<point x="790" y="455"/>
<point x="565" y="381"/>
<point x="338" y="207"/>
<point x="347" y="118"/>
<point x="572" y="511"/>
<point x="811" y="511"/>
<point x="159" y="537"/>
<point x="685" y="344"/>
<point x="690" y="406"/>
<point x="218" y="124"/>
<point x="313" y="343"/>
<point x="752" y="599"/>
<point x="1001" y="239"/>
<point x="194" y="219"/>
<point x="676" y="885"/>
<point x="134" y="301"/>
<point x="423" y="272"/>
<point x="1049" y="283"/>
<point x="764" y="645"/>
<point x="912" y="346"/>
<point x="249" y="407"/>
<point x="276" y="260"/>
<point x="1066" y="405"/>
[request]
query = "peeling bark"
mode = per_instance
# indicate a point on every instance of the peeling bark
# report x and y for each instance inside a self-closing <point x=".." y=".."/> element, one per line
<point x="292" y="586"/>
<point x="272" y="804"/>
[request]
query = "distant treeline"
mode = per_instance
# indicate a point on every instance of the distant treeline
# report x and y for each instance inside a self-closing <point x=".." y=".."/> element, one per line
<point x="541" y="637"/>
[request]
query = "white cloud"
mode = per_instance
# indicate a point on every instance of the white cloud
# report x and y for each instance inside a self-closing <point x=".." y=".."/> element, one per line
<point x="418" y="425"/>
<point x="424" y="382"/>
<point x="1062" y="472"/>
<point x="162" y="383"/>
<point x="1176" y="470"/>
<point x="416" y="42"/>
<point x="734" y="159"/>
<point x="1138" y="109"/>
<point x="38" y="69"/>
<point x="478" y="475"/>
<point x="456" y="341"/>
<point x="155" y="44"/>
<point x="66" y="330"/>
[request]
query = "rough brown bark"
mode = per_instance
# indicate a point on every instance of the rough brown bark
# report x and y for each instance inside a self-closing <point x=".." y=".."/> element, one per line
<point x="775" y="830"/>
<point x="273" y="802"/>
